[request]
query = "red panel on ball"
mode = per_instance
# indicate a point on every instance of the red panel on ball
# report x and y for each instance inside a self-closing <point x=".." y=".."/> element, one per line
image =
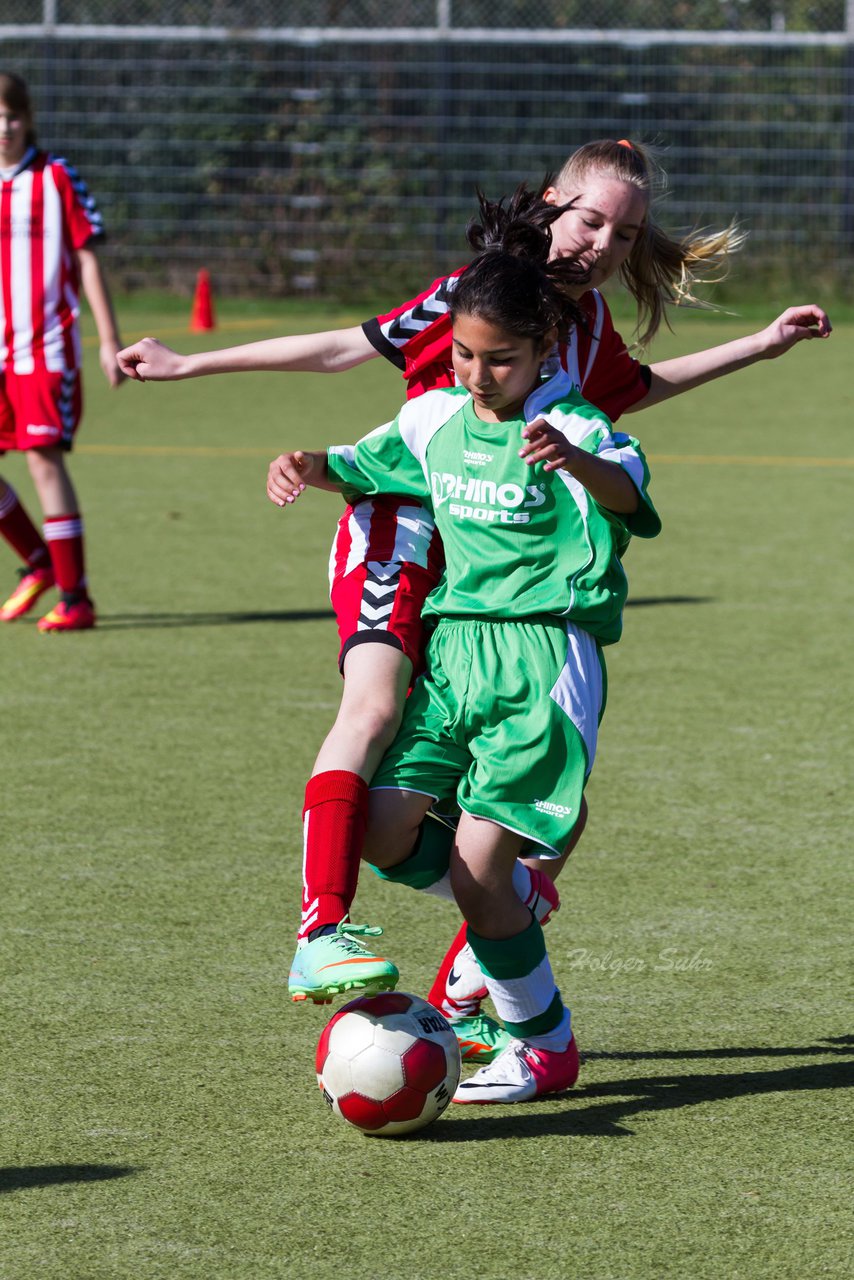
<point x="363" y="1112"/>
<point x="424" y="1065"/>
<point x="382" y="1005"/>
<point x="406" y="1104"/>
<point x="323" y="1042"/>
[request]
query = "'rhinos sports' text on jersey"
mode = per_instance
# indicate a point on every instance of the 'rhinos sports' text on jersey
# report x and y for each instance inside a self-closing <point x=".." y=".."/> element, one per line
<point x="519" y="541"/>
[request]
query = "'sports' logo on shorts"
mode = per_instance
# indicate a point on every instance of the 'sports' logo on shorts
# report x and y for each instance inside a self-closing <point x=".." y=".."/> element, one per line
<point x="554" y="810"/>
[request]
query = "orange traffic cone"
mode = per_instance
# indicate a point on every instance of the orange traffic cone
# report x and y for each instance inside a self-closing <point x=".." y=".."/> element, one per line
<point x="202" y="317"/>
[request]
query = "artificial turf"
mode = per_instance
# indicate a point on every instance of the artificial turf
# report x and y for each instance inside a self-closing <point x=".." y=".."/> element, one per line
<point x="159" y="1115"/>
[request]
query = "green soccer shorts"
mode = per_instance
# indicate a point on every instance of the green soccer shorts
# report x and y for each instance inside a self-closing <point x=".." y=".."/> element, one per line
<point x="505" y="724"/>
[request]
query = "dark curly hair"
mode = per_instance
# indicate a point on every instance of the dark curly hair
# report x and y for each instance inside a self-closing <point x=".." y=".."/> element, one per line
<point x="512" y="283"/>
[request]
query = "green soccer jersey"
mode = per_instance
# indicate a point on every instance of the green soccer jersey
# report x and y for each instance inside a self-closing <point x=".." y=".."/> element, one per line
<point x="518" y="540"/>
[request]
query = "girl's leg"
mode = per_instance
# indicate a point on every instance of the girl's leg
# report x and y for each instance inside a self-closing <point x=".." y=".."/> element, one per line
<point x="482" y="864"/>
<point x="52" y="481"/>
<point x="377" y="593"/>
<point x="459" y="988"/>
<point x="335" y="813"/>
<point x="376" y="677"/>
<point x="63" y="531"/>
<point x="18" y="530"/>
<point x="508" y="943"/>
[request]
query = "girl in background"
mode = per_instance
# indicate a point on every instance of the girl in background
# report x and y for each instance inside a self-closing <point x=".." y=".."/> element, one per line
<point x="48" y="227"/>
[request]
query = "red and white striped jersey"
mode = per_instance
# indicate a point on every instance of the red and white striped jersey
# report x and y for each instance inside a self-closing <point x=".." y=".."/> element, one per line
<point x="416" y="337"/>
<point x="46" y="214"/>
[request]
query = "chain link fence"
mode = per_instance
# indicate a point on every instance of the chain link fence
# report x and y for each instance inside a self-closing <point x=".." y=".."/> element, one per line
<point x="332" y="147"/>
<point x="246" y="15"/>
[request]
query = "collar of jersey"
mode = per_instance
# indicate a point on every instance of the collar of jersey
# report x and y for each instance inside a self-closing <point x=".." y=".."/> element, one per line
<point x="26" y="160"/>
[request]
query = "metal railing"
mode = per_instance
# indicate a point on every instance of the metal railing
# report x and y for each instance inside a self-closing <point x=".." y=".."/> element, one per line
<point x="342" y="158"/>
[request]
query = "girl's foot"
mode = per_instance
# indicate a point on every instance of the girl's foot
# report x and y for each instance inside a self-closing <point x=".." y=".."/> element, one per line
<point x="69" y="615"/>
<point x="34" y="583"/>
<point x="520" y="1073"/>
<point x="337" y="962"/>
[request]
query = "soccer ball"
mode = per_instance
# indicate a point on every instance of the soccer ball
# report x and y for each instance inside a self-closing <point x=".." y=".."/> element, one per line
<point x="388" y="1064"/>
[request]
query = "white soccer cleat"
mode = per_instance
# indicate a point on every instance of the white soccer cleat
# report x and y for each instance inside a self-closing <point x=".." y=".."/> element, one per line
<point x="520" y="1073"/>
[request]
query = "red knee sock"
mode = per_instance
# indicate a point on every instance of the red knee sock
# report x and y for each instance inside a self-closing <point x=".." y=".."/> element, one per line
<point x="20" y="532"/>
<point x="64" y="537"/>
<point x="335" y="816"/>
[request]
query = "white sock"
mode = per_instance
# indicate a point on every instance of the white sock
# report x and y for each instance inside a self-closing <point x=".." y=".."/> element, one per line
<point x="556" y="1040"/>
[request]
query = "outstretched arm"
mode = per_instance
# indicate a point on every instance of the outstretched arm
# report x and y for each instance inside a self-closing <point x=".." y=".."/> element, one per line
<point x="672" y="377"/>
<point x="331" y="352"/>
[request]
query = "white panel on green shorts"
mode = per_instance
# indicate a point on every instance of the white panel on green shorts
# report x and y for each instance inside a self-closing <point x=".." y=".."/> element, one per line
<point x="578" y="688"/>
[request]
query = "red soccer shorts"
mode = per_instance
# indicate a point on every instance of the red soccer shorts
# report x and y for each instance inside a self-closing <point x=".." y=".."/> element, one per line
<point x="39" y="410"/>
<point x="386" y="559"/>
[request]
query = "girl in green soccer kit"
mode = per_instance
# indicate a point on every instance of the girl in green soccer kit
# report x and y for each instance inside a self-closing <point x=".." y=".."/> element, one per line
<point x="387" y="556"/>
<point x="504" y="722"/>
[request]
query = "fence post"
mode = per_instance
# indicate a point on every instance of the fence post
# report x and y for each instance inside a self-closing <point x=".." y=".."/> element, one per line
<point x="47" y="94"/>
<point x="848" y="131"/>
<point x="443" y="23"/>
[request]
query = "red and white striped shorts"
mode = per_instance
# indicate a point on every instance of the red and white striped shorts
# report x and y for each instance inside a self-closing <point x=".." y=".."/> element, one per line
<point x="386" y="559"/>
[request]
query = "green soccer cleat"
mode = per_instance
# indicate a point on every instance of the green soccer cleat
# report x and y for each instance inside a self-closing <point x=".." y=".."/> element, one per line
<point x="481" y="1039"/>
<point x="336" y="962"/>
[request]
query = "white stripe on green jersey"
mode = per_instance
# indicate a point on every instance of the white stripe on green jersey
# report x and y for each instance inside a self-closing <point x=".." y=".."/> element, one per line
<point x="518" y="540"/>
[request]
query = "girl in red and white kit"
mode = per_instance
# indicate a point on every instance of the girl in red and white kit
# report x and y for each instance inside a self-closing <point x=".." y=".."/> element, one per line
<point x="48" y="227"/>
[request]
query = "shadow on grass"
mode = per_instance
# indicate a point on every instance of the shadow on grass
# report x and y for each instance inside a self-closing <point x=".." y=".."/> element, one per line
<point x="129" y="621"/>
<point x="686" y="1055"/>
<point x="20" y="1177"/>
<point x="643" y="602"/>
<point x="134" y="621"/>
<point x="601" y="1110"/>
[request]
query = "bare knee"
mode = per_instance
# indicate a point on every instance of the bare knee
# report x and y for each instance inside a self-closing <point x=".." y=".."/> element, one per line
<point x="394" y="821"/>
<point x="376" y="677"/>
<point x="373" y="720"/>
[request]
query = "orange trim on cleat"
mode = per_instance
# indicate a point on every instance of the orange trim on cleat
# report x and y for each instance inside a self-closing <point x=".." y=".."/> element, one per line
<point x="312" y="977"/>
<point x="336" y="964"/>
